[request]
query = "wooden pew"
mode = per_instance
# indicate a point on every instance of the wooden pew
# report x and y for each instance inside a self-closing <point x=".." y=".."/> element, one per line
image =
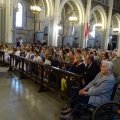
<point x="52" y="84"/>
<point x="2" y="56"/>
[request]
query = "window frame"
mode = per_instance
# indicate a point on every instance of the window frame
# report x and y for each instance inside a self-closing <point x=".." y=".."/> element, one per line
<point x="23" y="16"/>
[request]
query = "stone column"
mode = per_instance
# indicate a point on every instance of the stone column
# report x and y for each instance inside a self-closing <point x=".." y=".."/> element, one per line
<point x="14" y="26"/>
<point x="8" y="22"/>
<point x="50" y="33"/>
<point x="108" y="23"/>
<point x="0" y="24"/>
<point x="56" y="19"/>
<point x="3" y="18"/>
<point x="82" y="40"/>
<point x="87" y="17"/>
<point x="41" y="28"/>
<point x="119" y="44"/>
<point x="36" y="23"/>
<point x="116" y="61"/>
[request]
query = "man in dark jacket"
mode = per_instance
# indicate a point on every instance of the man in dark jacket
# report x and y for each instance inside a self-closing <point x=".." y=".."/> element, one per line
<point x="18" y="42"/>
<point x="92" y="69"/>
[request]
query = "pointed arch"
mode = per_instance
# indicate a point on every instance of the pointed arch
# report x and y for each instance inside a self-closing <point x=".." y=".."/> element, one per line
<point x="117" y="15"/>
<point x="80" y="7"/>
<point x="102" y="12"/>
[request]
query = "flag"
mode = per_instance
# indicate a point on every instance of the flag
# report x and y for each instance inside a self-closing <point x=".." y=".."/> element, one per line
<point x="86" y="30"/>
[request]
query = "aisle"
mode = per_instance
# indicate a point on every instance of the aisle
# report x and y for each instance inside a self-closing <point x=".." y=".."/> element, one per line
<point x="19" y="99"/>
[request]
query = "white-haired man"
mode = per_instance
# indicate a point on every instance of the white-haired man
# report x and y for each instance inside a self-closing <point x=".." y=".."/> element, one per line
<point x="97" y="91"/>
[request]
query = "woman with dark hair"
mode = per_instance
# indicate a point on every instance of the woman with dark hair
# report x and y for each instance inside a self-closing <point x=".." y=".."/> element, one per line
<point x="79" y="66"/>
<point x="57" y="56"/>
<point x="37" y="58"/>
<point x="104" y="57"/>
<point x="31" y="57"/>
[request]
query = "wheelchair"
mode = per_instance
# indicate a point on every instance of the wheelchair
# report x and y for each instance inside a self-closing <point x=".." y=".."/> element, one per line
<point x="105" y="111"/>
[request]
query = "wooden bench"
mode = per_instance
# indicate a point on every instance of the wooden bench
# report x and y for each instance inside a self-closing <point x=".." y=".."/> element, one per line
<point x="52" y="84"/>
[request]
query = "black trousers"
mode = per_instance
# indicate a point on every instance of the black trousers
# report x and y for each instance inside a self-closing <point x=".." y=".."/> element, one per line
<point x="79" y="99"/>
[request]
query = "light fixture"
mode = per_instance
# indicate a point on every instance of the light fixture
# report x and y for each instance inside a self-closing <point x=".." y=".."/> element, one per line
<point x="116" y="30"/>
<point x="35" y="9"/>
<point x="98" y="25"/>
<point x="73" y="18"/>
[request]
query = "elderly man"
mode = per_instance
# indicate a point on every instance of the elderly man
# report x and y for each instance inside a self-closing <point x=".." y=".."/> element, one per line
<point x="97" y="91"/>
<point x="92" y="69"/>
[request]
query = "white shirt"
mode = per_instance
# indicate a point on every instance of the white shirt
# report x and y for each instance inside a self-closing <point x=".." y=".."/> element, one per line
<point x="21" y="41"/>
<point x="37" y="59"/>
<point x="28" y="55"/>
<point x="47" y="62"/>
<point x="17" y="53"/>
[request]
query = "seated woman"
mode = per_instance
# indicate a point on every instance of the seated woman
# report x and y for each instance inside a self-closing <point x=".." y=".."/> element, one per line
<point x="103" y="57"/>
<point x="5" y="47"/>
<point x="42" y="52"/>
<point x="57" y="56"/>
<point x="67" y="63"/>
<point x="22" y="53"/>
<point x="77" y="68"/>
<point x="97" y="91"/>
<point x="68" y="58"/>
<point x="49" y="62"/>
<point x="31" y="57"/>
<point x="27" y="53"/>
<point x="7" y="53"/>
<point x="17" y="52"/>
<point x="36" y="58"/>
<point x="72" y="56"/>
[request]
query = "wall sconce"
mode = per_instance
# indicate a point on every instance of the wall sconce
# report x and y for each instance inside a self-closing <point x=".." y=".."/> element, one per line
<point x="98" y="26"/>
<point x="116" y="30"/>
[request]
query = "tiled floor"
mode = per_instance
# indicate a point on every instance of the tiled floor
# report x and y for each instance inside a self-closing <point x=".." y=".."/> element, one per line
<point x="19" y="99"/>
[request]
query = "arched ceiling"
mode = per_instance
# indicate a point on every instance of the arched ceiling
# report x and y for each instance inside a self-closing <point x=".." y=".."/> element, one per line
<point x="75" y="8"/>
<point x="100" y="14"/>
<point x="68" y="10"/>
<point x="115" y="23"/>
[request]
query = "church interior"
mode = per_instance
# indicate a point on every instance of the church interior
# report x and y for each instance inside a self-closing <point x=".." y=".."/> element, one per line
<point x="60" y="59"/>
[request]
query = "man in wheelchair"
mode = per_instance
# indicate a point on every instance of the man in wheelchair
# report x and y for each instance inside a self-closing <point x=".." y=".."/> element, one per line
<point x="96" y="92"/>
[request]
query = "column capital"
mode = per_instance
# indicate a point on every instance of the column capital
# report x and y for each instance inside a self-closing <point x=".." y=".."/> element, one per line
<point x="2" y="6"/>
<point x="49" y="18"/>
<point x="15" y="8"/>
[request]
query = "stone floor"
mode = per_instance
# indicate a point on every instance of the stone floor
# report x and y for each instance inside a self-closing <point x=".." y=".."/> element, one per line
<point x="19" y="99"/>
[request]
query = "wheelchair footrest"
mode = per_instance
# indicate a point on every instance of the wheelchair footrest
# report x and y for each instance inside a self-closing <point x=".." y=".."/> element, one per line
<point x="70" y="118"/>
<point x="85" y="118"/>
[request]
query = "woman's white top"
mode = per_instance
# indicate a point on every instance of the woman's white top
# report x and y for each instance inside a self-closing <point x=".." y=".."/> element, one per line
<point x="37" y="59"/>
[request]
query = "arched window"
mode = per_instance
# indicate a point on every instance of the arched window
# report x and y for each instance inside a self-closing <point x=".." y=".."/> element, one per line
<point x="19" y="16"/>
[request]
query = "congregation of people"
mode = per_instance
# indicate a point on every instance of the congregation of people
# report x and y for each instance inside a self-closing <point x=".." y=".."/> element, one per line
<point x="95" y="65"/>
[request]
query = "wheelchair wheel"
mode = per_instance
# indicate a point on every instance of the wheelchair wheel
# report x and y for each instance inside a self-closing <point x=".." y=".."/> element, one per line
<point x="107" y="111"/>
